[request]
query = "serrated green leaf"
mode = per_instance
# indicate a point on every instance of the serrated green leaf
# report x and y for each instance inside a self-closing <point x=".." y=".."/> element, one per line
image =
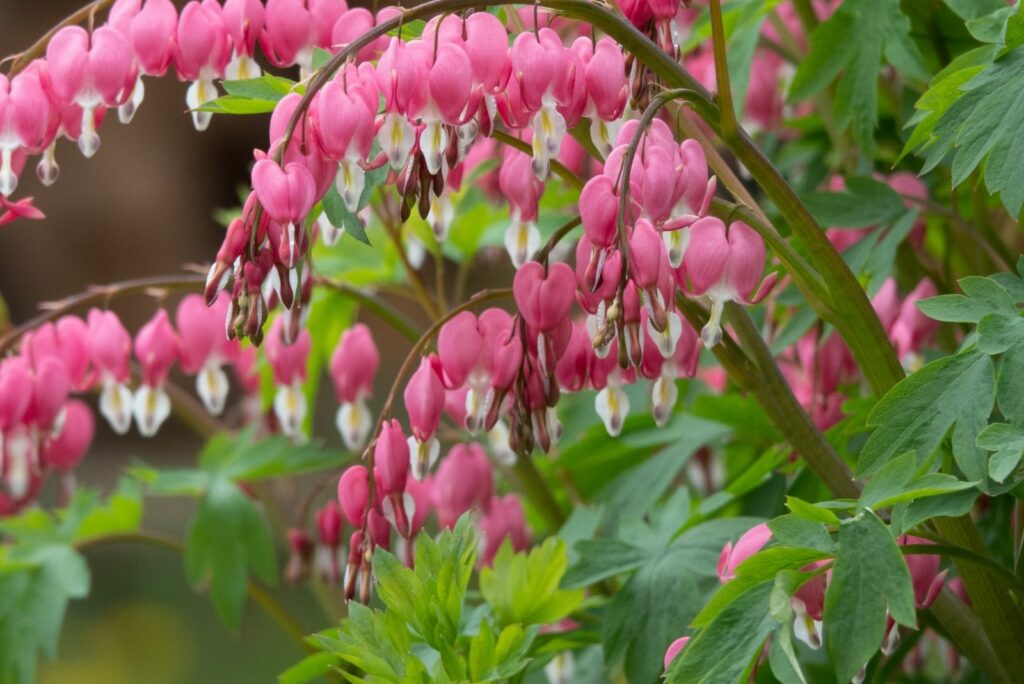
<point x="33" y="601"/>
<point x="863" y="202"/>
<point x="918" y="411"/>
<point x="945" y="505"/>
<point x="227" y="539"/>
<point x="524" y="588"/>
<point x="869" y="579"/>
<point x="854" y="41"/>
<point x="652" y="609"/>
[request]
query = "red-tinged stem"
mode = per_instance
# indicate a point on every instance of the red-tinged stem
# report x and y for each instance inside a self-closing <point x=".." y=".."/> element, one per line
<point x="22" y="59"/>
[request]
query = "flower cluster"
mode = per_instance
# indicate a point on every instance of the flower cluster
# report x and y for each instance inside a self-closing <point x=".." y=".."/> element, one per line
<point x="808" y="602"/>
<point x="44" y="428"/>
<point x="395" y="501"/>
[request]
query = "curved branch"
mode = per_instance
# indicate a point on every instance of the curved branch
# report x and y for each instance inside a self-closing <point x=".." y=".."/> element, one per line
<point x="260" y="596"/>
<point x="96" y="294"/>
<point x="22" y="59"/>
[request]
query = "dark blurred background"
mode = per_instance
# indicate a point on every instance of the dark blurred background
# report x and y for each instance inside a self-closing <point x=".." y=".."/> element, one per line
<point x="143" y="206"/>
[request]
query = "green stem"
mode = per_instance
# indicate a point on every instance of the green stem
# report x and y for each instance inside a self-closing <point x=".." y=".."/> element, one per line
<point x="538" y="492"/>
<point x="778" y="402"/>
<point x="777" y="398"/>
<point x="260" y="596"/>
<point x="803" y="274"/>
<point x="951" y="551"/>
<point x="557" y="167"/>
<point x="375" y="304"/>
<point x="726" y="109"/>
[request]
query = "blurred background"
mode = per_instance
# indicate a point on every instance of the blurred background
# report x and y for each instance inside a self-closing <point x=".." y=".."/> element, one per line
<point x="143" y="206"/>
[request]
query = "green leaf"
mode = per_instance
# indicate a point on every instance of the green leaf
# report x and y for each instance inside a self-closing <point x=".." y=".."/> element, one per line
<point x="634" y="492"/>
<point x="943" y="92"/>
<point x="864" y="202"/>
<point x="723" y="652"/>
<point x="809" y="511"/>
<point x="1008" y="384"/>
<point x="952" y="308"/>
<point x="122" y="513"/>
<point x="918" y="411"/>
<point x="310" y="668"/>
<point x="759" y="568"/>
<point x="235" y="104"/>
<point x="338" y="213"/>
<point x="653" y="608"/>
<point x="790" y="530"/>
<point x="972" y="9"/>
<point x="32" y="605"/>
<point x="600" y="559"/>
<point x="998" y="332"/>
<point x="1007" y="443"/>
<point x="869" y="578"/>
<point x="986" y="125"/>
<point x="854" y="41"/>
<point x="228" y="538"/>
<point x="266" y="87"/>
<point x="945" y="505"/>
<point x="320" y="58"/>
<point x="896" y="483"/>
<point x="523" y="588"/>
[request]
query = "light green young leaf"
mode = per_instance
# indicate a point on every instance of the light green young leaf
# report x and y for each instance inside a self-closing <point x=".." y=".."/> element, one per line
<point x="266" y="87"/>
<point x="236" y="104"/>
<point x="809" y="511"/>
<point x="523" y="588"/>
<point x="869" y="578"/>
